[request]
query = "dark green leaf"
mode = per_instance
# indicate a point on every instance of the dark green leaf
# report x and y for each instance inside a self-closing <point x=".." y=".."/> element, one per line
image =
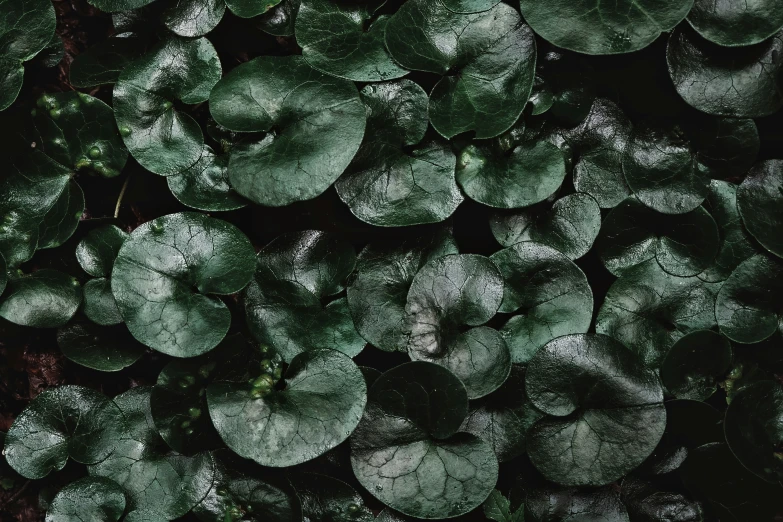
<point x="113" y="6"/>
<point x="66" y="422"/>
<point x="498" y="508"/>
<point x="164" y="272"/>
<point x="694" y="363"/>
<point x="99" y="304"/>
<point x="548" y="294"/>
<point x="595" y="27"/>
<point x="379" y="290"/>
<point x="326" y="498"/>
<point x="576" y="505"/>
<point x="570" y="225"/>
<point x="162" y="138"/>
<point x="102" y="63"/>
<point x="760" y="203"/>
<point x="724" y="147"/>
<point x="3" y="274"/>
<point x="97" y="251"/>
<point x="741" y="82"/>
<point x="736" y="23"/>
<point x="469" y="6"/>
<point x="313" y="123"/>
<point x="205" y="186"/>
<point x="63" y="217"/>
<point x="648" y="310"/>
<point x="280" y="20"/>
<point x="92" y="498"/>
<point x="103" y="348"/>
<point x="647" y="503"/>
<point x="489" y="58"/>
<point x="250" y="8"/>
<point x="320" y="406"/>
<point x="605" y="411"/>
<point x="43" y="299"/>
<point x="193" y="18"/>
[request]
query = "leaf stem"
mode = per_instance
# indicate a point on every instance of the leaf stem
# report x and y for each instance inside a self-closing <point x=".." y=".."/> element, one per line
<point x="122" y="194"/>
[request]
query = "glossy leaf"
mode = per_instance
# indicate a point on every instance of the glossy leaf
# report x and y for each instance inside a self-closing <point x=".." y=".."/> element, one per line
<point x="103" y="348"/>
<point x="164" y="274"/>
<point x="760" y="203"/>
<point x="205" y="186"/>
<point x="99" y="304"/>
<point x="61" y="220"/>
<point x="724" y="147"/>
<point x="280" y="19"/>
<point x="313" y="123"/>
<point x="327" y="498"/>
<point x="736" y="23"/>
<point x="193" y="18"/>
<point x="97" y="251"/>
<point x="92" y="498"/>
<point x="112" y="6"/>
<point x="497" y="508"/>
<point x="43" y="299"/>
<point x="566" y="504"/>
<point x="694" y="363"/>
<point x="102" y="63"/>
<point x="605" y="411"/>
<point x="646" y="502"/>
<point x="250" y="8"/>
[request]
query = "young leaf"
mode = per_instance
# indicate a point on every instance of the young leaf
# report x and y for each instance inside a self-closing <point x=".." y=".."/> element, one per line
<point x="760" y="203"/>
<point x="736" y="24"/>
<point x="91" y="498"/>
<point x="97" y="251"/>
<point x="498" y="508"/>
<point x="103" y="348"/>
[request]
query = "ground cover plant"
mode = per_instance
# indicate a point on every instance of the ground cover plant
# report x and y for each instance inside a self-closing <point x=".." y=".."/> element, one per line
<point x="389" y="260"/>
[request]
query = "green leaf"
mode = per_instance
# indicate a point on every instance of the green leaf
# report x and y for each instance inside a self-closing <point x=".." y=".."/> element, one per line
<point x="736" y="24"/>
<point x="647" y="503"/>
<point x="97" y="251"/>
<point x="280" y="19"/>
<point x="164" y="273"/>
<point x="469" y="6"/>
<point x="394" y="179"/>
<point x="91" y="498"/>
<point x="503" y="418"/>
<point x="250" y="8"/>
<point x="326" y="498"/>
<point x="741" y="82"/>
<point x="3" y="274"/>
<point x="346" y="39"/>
<point x="63" y="217"/>
<point x="378" y="292"/>
<point x="760" y="200"/>
<point x="99" y="304"/>
<point x="575" y="504"/>
<point x="754" y="430"/>
<point x="605" y="411"/>
<point x="548" y="294"/>
<point x="683" y="244"/>
<point x="162" y="138"/>
<point x="488" y="61"/>
<point x="54" y="52"/>
<point x="594" y="27"/>
<point x="662" y="172"/>
<point x="26" y="27"/>
<point x="748" y="305"/>
<point x="192" y="18"/>
<point x="498" y="508"/>
<point x="205" y="186"/>
<point x="724" y="146"/>
<point x="147" y="472"/>
<point x="694" y="363"/>
<point x="113" y="6"/>
<point x="648" y="310"/>
<point x="65" y="422"/>
<point x="43" y="299"/>
<point x="103" y="348"/>
<point x="319" y="407"/>
<point x="103" y="63"/>
<point x="242" y="485"/>
<point x="528" y="174"/>
<point x="570" y="225"/>
<point x="313" y="126"/>
<point x="406" y="451"/>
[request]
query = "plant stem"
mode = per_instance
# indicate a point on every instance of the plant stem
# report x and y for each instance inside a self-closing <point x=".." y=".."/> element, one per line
<point x="122" y="194"/>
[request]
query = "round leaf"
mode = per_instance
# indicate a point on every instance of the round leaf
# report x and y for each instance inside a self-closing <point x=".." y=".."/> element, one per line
<point x="605" y="411"/>
<point x="97" y="251"/>
<point x="754" y="429"/>
<point x="748" y="305"/>
<point x="43" y="299"/>
<point x="661" y="171"/>
<point x="683" y="244"/>
<point x="760" y="203"/>
<point x="736" y="23"/>
<point x="205" y="186"/>
<point x="112" y="6"/>
<point x="320" y="406"/>
<point x="336" y="39"/>
<point x="594" y="27"/>
<point x="693" y="364"/>
<point x="163" y="139"/>
<point x="102" y="63"/>
<point x="741" y="82"/>
<point x="63" y="217"/>
<point x="107" y="349"/>
<point x="548" y="293"/>
<point x="163" y="273"/>
<point x="91" y="498"/>
<point x="69" y="421"/>
<point x="192" y="18"/>
<point x="379" y="290"/>
<point x="489" y="57"/>
<point x="570" y="225"/>
<point x="724" y="146"/>
<point x="646" y="503"/>
<point x="313" y="123"/>
<point x="99" y="304"/>
<point x="648" y="310"/>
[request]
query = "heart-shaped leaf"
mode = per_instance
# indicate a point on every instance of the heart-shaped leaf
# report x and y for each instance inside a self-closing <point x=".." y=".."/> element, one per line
<point x="694" y="363"/>
<point x="91" y="498"/>
<point x="193" y="18"/>
<point x="320" y="406"/>
<point x="548" y="294"/>
<point x="162" y="138"/>
<point x="570" y="225"/>
<point x="748" y="308"/>
<point x="346" y="39"/>
<point x="742" y="82"/>
<point x="736" y="24"/>
<point x="313" y="126"/>
<point x="395" y="180"/>
<point x="591" y="27"/>
<point x="379" y="290"/>
<point x="61" y="423"/>
<point x="760" y="203"/>
<point x="205" y="186"/>
<point x="487" y="59"/>
<point x="102" y="63"/>
<point x="99" y="304"/>
<point x="683" y="244"/>
<point x="648" y="310"/>
<point x="97" y="251"/>
<point x="107" y="349"/>
<point x="43" y="299"/>
<point x="149" y="474"/>
<point x="164" y="272"/>
<point x="605" y="411"/>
